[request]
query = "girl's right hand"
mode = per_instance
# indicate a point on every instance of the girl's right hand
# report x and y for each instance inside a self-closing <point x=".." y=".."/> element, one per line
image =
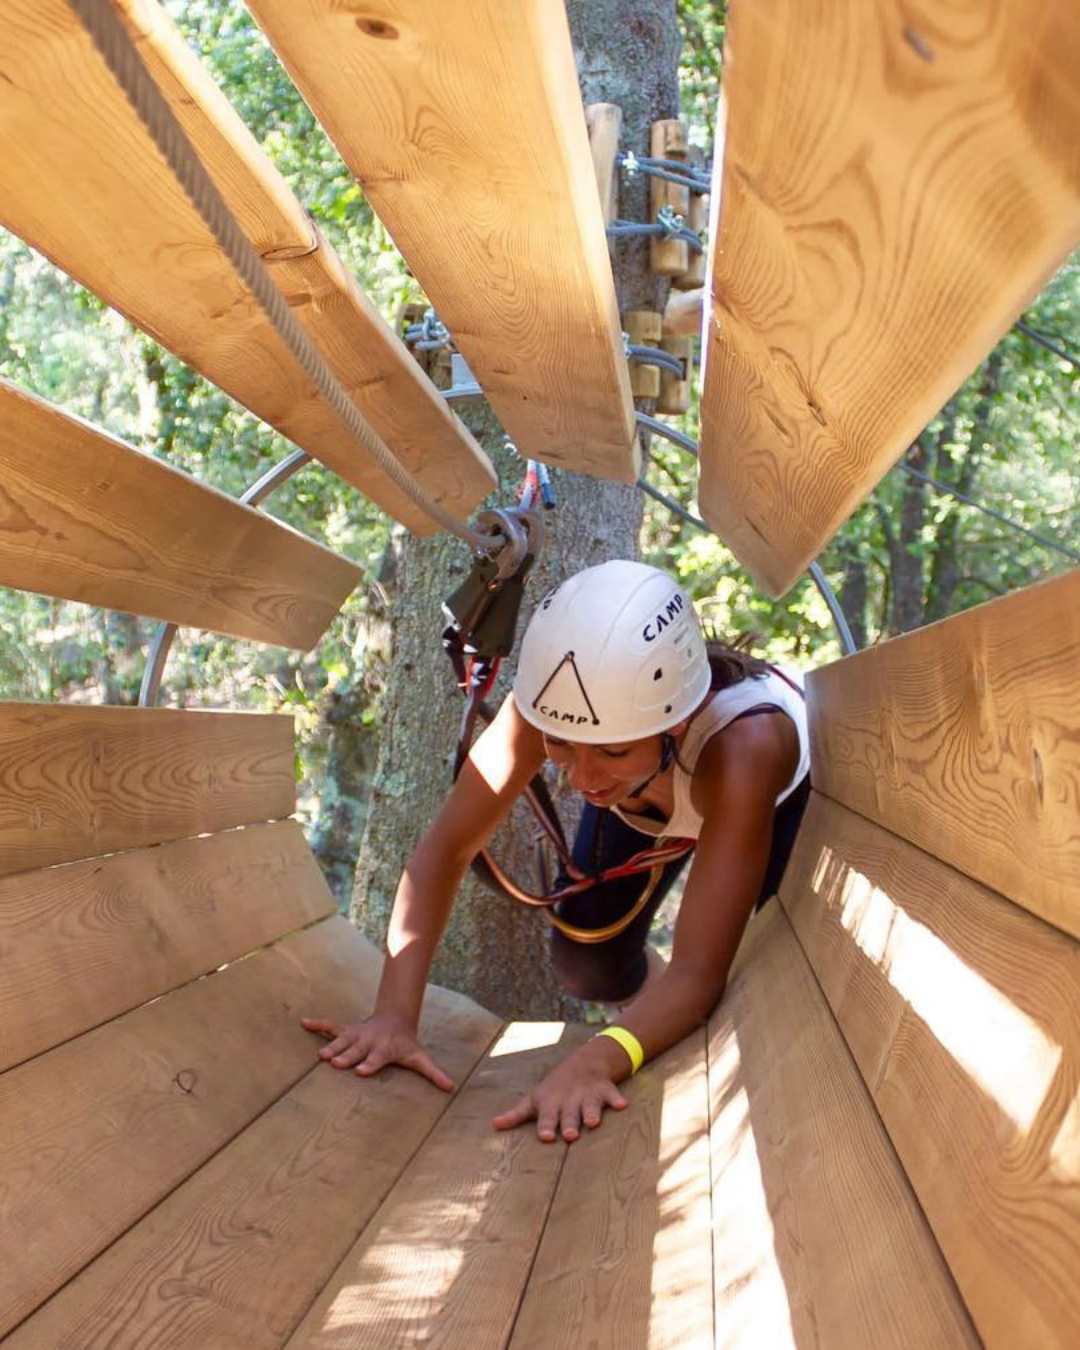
<point x="368" y="1046"/>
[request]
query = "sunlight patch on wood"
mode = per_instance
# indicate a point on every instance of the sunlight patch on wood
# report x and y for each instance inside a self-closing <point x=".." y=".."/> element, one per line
<point x="750" y="1286"/>
<point x="520" y="1037"/>
<point x="1065" y="1150"/>
<point x="681" y="1301"/>
<point x="997" y="1044"/>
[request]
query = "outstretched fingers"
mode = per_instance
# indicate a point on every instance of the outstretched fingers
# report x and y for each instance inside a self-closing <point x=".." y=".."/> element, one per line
<point x="368" y="1061"/>
<point x="347" y="1054"/>
<point x="523" y="1109"/>
<point x="330" y="1031"/>
<point x="320" y="1025"/>
<point x="421" y="1062"/>
<point x="611" y="1096"/>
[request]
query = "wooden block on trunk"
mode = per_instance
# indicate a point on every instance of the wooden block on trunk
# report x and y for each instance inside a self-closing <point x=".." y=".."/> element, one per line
<point x="697" y="217"/>
<point x="643" y="327"/>
<point x="668" y="257"/>
<point x="675" y="392"/>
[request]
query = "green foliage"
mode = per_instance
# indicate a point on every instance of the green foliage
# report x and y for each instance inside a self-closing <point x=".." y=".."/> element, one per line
<point x="1008" y="441"/>
<point x="702" y="23"/>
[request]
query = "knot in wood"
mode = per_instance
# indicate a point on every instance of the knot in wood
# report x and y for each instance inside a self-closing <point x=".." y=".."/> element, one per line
<point x="185" y="1080"/>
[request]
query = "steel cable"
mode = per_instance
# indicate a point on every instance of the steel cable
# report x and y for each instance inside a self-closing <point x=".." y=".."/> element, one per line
<point x="654" y="356"/>
<point x="1044" y="341"/>
<point x="989" y="511"/>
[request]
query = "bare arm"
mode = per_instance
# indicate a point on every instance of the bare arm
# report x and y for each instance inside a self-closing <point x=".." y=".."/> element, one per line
<point x="740" y="776"/>
<point x="738" y="779"/>
<point x="503" y="759"/>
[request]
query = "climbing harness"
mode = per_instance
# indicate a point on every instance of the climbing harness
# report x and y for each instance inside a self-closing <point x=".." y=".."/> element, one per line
<point x="483" y="613"/>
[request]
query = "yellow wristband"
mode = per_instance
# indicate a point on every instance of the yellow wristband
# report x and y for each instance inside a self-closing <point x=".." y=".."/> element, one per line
<point x="629" y="1043"/>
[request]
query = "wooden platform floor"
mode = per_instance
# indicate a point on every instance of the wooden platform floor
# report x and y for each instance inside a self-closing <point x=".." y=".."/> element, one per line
<point x="378" y="1213"/>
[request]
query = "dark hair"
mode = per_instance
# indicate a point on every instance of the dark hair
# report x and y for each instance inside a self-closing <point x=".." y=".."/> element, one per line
<point x="731" y="662"/>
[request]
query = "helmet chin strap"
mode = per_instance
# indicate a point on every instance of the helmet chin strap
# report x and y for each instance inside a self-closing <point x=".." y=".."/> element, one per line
<point x="667" y="754"/>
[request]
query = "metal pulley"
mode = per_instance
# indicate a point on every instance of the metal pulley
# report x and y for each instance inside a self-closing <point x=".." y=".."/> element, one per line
<point x="484" y="608"/>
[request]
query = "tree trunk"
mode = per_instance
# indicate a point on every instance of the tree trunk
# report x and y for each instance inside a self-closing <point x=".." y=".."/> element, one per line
<point x="945" y="571"/>
<point x="353" y="745"/>
<point x="345" y="798"/>
<point x="905" y="549"/>
<point x="123" y="651"/>
<point x="627" y="52"/>
<point x="854" y="591"/>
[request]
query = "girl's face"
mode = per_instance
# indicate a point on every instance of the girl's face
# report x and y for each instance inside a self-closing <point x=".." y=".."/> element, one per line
<point x="605" y="774"/>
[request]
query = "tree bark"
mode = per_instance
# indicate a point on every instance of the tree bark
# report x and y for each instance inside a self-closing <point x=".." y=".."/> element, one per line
<point x="945" y="570"/>
<point x="906" y="555"/>
<point x="854" y="591"/>
<point x="627" y="52"/>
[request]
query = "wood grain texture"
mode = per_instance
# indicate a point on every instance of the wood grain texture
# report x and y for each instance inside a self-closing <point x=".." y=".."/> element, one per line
<point x="625" y="1258"/>
<point x="97" y="1131"/>
<point x="86" y="517"/>
<point x="964" y="738"/>
<point x="898" y="182"/>
<point x="464" y="125"/>
<point x="83" y="943"/>
<point x="817" y="1237"/>
<point x="138" y="243"/>
<point x="236" y="1255"/>
<point x="77" y="782"/>
<point x="963" y="1014"/>
<point x="444" y="1260"/>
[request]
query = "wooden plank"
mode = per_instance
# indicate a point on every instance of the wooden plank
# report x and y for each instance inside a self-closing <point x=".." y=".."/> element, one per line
<point x="97" y="1131"/>
<point x="75" y="524"/>
<point x="964" y="738"/>
<point x="464" y="125"/>
<point x="76" y="782"/>
<point x="448" y="1253"/>
<point x="238" y="1253"/>
<point x="604" y="121"/>
<point x="963" y="1014"/>
<point x="138" y="243"/>
<point x="667" y="140"/>
<point x="818" y="1239"/>
<point x="897" y="186"/>
<point x="625" y="1257"/>
<point x="86" y="942"/>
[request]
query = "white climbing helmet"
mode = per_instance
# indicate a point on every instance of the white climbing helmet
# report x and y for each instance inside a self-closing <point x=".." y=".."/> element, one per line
<point x="613" y="654"/>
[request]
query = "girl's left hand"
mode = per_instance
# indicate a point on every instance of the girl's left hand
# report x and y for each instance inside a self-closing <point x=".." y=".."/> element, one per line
<point x="575" y="1092"/>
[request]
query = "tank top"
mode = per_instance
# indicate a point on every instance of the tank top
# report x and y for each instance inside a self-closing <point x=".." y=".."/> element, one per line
<point x="772" y="691"/>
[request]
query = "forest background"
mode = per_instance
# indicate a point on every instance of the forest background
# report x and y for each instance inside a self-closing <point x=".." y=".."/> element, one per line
<point x="911" y="554"/>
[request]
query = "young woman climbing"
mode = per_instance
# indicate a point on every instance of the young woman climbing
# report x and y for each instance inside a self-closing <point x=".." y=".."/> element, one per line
<point x="616" y="686"/>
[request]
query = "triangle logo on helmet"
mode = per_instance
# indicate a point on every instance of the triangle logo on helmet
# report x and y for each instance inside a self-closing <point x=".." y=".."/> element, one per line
<point x="564" y="701"/>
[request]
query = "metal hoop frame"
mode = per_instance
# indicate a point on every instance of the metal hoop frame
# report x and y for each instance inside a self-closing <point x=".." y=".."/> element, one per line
<point x="847" y="641"/>
<point x="163" y="640"/>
